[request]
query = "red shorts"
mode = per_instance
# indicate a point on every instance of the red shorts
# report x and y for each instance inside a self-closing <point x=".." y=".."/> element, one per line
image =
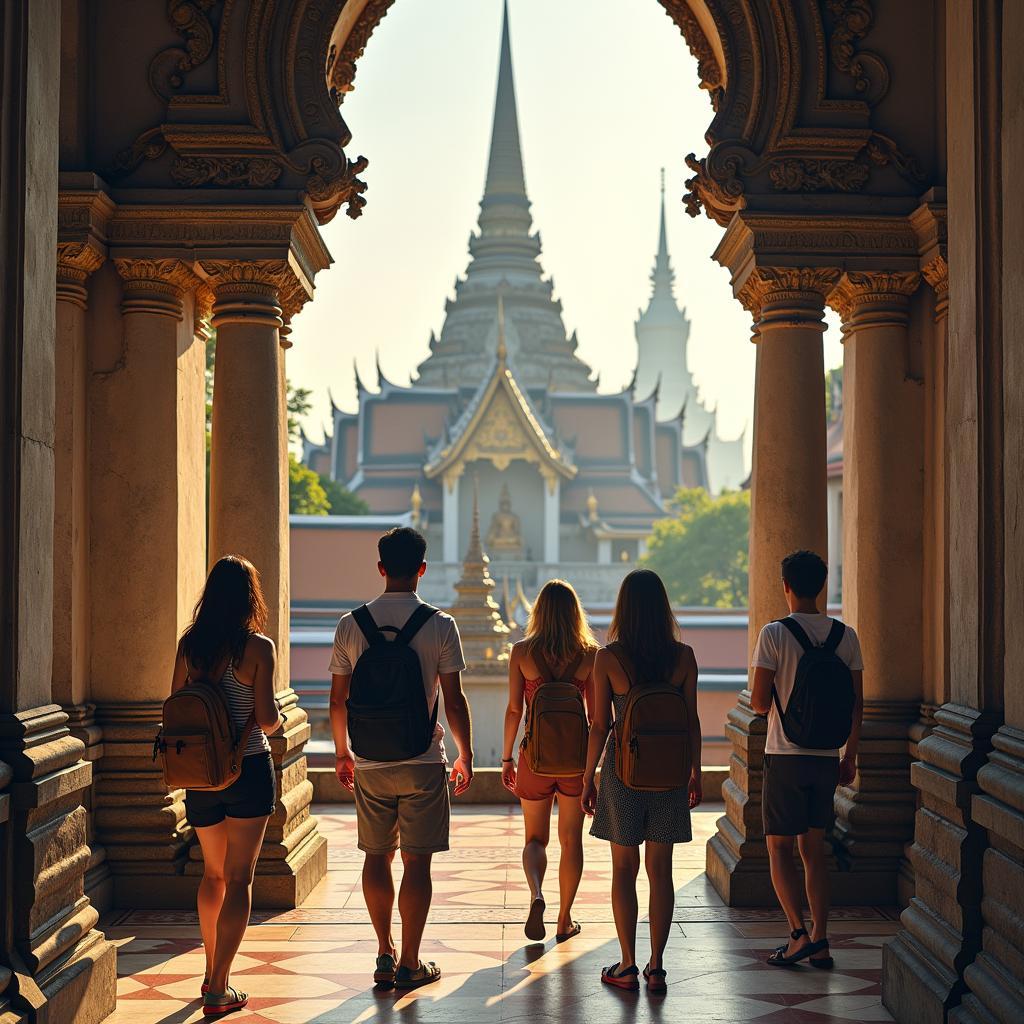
<point x="542" y="787"/>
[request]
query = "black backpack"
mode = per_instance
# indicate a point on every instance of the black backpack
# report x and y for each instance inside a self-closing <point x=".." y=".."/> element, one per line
<point x="819" y="713"/>
<point x="388" y="718"/>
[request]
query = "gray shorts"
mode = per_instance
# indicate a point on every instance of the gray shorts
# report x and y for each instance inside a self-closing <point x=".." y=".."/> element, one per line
<point x="402" y="805"/>
<point x="797" y="793"/>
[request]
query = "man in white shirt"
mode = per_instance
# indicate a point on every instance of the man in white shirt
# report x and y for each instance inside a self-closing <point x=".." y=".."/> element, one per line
<point x="799" y="783"/>
<point x="403" y="803"/>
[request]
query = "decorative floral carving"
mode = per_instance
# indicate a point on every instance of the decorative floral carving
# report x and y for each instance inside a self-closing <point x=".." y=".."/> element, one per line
<point x="711" y="77"/>
<point x="168" y="68"/>
<point x="331" y="187"/>
<point x="341" y="67"/>
<point x="155" y="286"/>
<point x="150" y="145"/>
<point x="874" y="289"/>
<point x="801" y="175"/>
<point x="936" y="273"/>
<point x="249" y="172"/>
<point x="882" y="150"/>
<point x="720" y="195"/>
<point x="783" y="284"/>
<point x="75" y="262"/>
<point x="853" y="19"/>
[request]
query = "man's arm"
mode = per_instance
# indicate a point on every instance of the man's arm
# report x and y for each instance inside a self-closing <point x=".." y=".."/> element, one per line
<point x="761" y="690"/>
<point x="456" y="709"/>
<point x="848" y="765"/>
<point x="343" y="764"/>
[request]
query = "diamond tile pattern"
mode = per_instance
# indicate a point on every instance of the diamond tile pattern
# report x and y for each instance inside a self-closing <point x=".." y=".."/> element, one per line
<point x="313" y="965"/>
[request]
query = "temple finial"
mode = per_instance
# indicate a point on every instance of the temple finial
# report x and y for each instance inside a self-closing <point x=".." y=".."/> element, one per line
<point x="505" y="166"/>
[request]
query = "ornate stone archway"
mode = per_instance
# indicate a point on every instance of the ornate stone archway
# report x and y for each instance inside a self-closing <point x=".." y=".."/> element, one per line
<point x="200" y="149"/>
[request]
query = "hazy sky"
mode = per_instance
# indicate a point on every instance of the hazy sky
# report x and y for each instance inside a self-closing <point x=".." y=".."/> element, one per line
<point x="605" y="101"/>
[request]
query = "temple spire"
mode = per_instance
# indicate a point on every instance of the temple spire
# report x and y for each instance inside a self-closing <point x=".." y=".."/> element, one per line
<point x="505" y="177"/>
<point x="662" y="277"/>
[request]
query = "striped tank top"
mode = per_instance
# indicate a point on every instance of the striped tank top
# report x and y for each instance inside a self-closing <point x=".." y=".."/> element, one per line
<point x="241" y="701"/>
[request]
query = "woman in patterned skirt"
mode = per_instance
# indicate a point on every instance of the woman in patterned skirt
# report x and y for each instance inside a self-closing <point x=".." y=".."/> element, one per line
<point x="646" y="651"/>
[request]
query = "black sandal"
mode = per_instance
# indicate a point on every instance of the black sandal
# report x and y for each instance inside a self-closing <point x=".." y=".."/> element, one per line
<point x="657" y="980"/>
<point x="626" y="979"/>
<point x="823" y="963"/>
<point x="778" y="956"/>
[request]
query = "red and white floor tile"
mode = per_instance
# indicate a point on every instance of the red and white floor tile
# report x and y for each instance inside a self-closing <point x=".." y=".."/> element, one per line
<point x="313" y="965"/>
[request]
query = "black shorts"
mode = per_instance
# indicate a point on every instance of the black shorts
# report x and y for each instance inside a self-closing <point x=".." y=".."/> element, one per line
<point x="797" y="793"/>
<point x="251" y="795"/>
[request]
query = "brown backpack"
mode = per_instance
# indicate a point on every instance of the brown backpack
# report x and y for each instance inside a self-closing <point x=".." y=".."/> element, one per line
<point x="652" y="739"/>
<point x="555" y="739"/>
<point x="199" y="744"/>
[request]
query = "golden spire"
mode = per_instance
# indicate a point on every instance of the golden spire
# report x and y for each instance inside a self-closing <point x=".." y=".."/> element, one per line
<point x="416" y="504"/>
<point x="591" y="506"/>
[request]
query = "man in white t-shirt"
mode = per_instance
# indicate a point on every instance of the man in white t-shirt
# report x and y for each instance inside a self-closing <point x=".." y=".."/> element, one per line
<point x="799" y="783"/>
<point x="403" y="803"/>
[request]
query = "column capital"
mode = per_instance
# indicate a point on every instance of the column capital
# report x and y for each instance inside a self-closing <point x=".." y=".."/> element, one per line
<point x="75" y="262"/>
<point x="787" y="296"/>
<point x="874" y="298"/>
<point x="931" y="231"/>
<point x="154" y="286"/>
<point x="203" y="310"/>
<point x="252" y="291"/>
<point x="936" y="273"/>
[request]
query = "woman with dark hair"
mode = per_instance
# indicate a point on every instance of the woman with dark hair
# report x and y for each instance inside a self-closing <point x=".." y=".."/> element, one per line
<point x="643" y="650"/>
<point x="558" y="645"/>
<point x="225" y="641"/>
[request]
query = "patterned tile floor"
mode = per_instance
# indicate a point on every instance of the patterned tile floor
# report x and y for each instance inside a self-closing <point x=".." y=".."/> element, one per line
<point x="312" y="965"/>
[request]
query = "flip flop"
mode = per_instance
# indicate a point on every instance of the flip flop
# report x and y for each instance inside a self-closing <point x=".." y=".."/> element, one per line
<point x="535" y="930"/>
<point x="627" y="980"/>
<point x="778" y="957"/>
<point x="384" y="974"/>
<point x="217" y="1005"/>
<point x="655" y="978"/>
<point x="823" y="963"/>
<point x="565" y="936"/>
<point x="425" y="974"/>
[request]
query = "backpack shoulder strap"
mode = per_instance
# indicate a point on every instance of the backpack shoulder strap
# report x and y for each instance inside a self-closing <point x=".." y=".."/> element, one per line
<point x="624" y="660"/>
<point x="835" y="636"/>
<point x="364" y="620"/>
<point x="415" y="623"/>
<point x="798" y="632"/>
<point x="543" y="667"/>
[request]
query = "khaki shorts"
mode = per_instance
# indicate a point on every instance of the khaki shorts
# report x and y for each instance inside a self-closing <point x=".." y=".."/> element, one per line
<point x="403" y="806"/>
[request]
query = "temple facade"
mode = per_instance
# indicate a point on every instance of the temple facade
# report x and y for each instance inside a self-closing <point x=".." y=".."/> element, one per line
<point x="565" y="474"/>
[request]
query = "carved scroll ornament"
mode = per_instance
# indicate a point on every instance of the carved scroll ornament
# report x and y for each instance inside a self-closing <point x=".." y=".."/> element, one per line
<point x="168" y="68"/>
<point x="341" y="65"/>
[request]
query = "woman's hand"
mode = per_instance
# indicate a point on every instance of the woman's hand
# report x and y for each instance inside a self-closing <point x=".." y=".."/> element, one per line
<point x="344" y="768"/>
<point x="696" y="789"/>
<point x="588" y="798"/>
<point x="508" y="775"/>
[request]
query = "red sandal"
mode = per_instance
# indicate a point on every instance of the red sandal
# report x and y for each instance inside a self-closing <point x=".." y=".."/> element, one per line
<point x="627" y="980"/>
<point x="225" y="1002"/>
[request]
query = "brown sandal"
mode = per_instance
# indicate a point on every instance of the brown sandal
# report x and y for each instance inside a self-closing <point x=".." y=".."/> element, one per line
<point x="655" y="978"/>
<point x="423" y="975"/>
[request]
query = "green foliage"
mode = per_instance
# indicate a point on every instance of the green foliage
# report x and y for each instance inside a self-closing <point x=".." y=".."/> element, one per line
<point x="833" y="383"/>
<point x="340" y="500"/>
<point x="701" y="552"/>
<point x="306" y="496"/>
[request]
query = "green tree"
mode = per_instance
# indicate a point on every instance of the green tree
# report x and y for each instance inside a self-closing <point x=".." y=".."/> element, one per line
<point x="340" y="500"/>
<point x="306" y="496"/>
<point x="833" y="383"/>
<point x="701" y="551"/>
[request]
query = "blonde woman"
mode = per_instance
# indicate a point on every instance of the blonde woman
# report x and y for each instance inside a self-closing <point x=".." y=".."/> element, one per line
<point x="558" y="645"/>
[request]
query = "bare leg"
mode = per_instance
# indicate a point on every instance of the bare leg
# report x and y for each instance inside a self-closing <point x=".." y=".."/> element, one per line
<point x="812" y="853"/>
<point x="570" y="866"/>
<point x="625" y="868"/>
<point x="379" y="894"/>
<point x="658" y="861"/>
<point x="414" y="904"/>
<point x="214" y="842"/>
<point x="537" y="819"/>
<point x="786" y="881"/>
<point x="245" y="836"/>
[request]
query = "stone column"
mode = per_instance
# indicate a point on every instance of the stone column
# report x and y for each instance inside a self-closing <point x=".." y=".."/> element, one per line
<point x="552" y="510"/>
<point x="450" y="516"/>
<point x="249" y="517"/>
<point x="923" y="967"/>
<point x="883" y="471"/>
<point x="146" y="542"/>
<point x="56" y="966"/>
<point x="75" y="263"/>
<point x="788" y="511"/>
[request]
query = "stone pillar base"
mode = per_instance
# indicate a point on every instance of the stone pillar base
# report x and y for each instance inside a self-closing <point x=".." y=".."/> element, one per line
<point x="994" y="978"/>
<point x="875" y="816"/>
<point x="922" y="967"/>
<point x="142" y="827"/>
<point x="294" y="855"/>
<point x="62" y="969"/>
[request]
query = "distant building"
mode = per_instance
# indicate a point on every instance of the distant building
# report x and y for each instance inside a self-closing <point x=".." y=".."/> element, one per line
<point x="570" y="481"/>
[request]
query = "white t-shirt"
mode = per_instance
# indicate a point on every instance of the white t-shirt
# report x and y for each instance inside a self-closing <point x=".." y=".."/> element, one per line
<point x="780" y="651"/>
<point x="437" y="644"/>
